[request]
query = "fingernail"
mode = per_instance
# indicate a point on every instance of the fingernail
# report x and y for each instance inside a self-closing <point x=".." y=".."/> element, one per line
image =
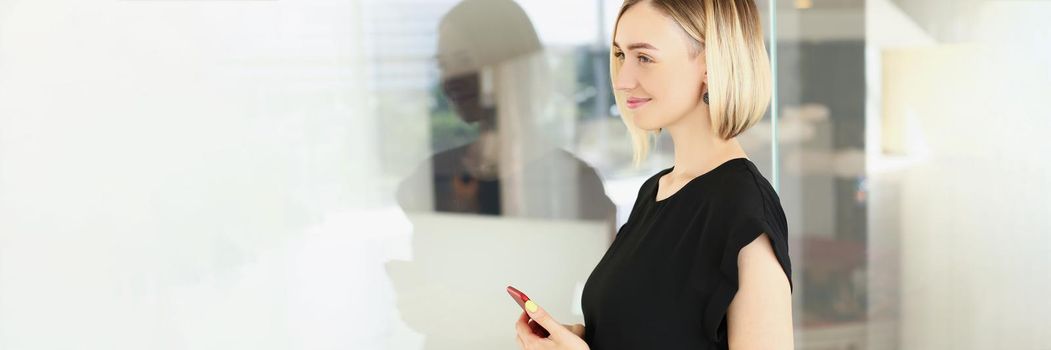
<point x="531" y="306"/>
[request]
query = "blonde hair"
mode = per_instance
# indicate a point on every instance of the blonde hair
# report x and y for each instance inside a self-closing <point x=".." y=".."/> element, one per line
<point x="739" y="81"/>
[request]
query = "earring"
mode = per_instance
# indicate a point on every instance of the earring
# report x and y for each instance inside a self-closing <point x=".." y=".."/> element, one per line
<point x="705" y="97"/>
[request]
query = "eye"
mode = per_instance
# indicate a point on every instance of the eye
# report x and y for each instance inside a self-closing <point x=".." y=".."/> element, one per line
<point x="645" y="59"/>
<point x="619" y="55"/>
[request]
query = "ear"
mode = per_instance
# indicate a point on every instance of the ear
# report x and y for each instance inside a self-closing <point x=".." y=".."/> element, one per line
<point x="704" y="79"/>
<point x="704" y="69"/>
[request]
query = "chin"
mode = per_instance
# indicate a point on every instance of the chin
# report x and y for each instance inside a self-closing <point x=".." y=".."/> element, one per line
<point x="643" y="123"/>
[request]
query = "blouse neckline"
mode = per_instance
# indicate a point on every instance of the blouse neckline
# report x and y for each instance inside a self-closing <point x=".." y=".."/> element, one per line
<point x="657" y="185"/>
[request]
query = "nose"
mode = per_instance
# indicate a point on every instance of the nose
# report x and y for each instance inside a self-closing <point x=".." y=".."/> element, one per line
<point x="625" y="80"/>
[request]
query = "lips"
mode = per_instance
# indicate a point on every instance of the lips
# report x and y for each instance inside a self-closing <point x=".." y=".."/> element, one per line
<point x="636" y="102"/>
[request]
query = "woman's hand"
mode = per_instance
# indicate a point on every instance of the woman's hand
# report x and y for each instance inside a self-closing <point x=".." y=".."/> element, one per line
<point x="577" y="329"/>
<point x="561" y="336"/>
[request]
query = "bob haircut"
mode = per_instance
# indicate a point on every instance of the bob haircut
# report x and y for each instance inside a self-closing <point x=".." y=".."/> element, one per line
<point x="729" y="34"/>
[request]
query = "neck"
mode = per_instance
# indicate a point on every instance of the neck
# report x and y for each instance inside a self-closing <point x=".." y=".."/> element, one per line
<point x="697" y="147"/>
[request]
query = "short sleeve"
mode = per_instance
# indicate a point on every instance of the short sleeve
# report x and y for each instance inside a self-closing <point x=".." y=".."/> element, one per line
<point x="739" y="233"/>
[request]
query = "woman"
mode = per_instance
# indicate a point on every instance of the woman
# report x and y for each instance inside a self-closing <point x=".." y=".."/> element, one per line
<point x="688" y="269"/>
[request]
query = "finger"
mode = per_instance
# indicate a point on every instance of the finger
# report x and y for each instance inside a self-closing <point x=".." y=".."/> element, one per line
<point x="524" y="332"/>
<point x="538" y="330"/>
<point x="521" y="345"/>
<point x="541" y="316"/>
<point x="577" y="329"/>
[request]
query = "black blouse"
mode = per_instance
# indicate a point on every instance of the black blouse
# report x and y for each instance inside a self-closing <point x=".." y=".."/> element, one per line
<point x="668" y="278"/>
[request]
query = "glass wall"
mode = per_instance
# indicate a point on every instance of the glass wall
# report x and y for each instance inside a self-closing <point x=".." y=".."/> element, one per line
<point x="957" y="177"/>
<point x="821" y="98"/>
<point x="371" y="174"/>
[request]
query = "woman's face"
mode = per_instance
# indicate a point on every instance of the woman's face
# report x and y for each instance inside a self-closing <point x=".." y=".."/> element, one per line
<point x="658" y="79"/>
<point x="465" y="93"/>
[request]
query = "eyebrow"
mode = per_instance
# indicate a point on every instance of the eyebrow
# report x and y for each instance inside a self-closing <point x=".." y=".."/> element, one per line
<point x="635" y="46"/>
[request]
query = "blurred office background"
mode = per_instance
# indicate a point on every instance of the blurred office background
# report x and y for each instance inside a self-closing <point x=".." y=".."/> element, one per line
<point x="371" y="174"/>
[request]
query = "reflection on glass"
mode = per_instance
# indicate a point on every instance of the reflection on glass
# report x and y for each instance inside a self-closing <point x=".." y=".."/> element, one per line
<point x="494" y="76"/>
<point x="506" y="205"/>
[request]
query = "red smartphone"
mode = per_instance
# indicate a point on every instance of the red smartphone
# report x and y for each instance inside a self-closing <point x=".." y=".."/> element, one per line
<point x="521" y="298"/>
